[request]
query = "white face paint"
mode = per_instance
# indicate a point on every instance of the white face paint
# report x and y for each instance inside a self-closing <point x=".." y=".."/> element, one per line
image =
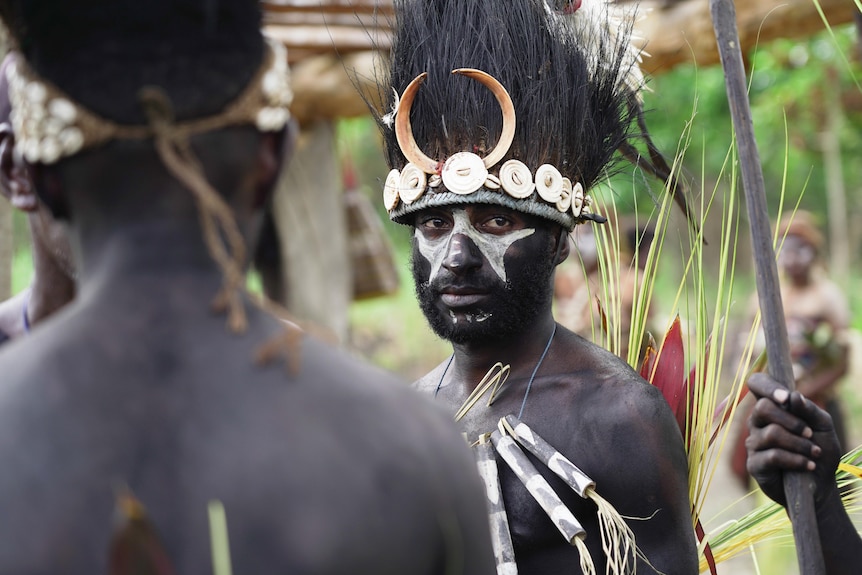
<point x="492" y="246"/>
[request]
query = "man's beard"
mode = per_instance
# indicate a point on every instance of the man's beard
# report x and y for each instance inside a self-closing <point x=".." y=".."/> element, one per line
<point x="511" y="305"/>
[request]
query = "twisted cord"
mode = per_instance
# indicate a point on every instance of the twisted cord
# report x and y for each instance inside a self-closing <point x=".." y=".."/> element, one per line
<point x="217" y="220"/>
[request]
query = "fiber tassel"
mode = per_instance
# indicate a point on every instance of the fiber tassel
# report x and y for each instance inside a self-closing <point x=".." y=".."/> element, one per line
<point x="135" y="547"/>
<point x="287" y="344"/>
<point x="618" y="541"/>
<point x="587" y="565"/>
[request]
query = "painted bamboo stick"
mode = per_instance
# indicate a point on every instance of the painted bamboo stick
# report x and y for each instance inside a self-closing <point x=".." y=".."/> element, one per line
<point x="618" y="540"/>
<point x="501" y="538"/>
<point x="553" y="459"/>
<point x="538" y="487"/>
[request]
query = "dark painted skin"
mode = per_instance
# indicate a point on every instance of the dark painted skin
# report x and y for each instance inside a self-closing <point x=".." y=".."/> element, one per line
<point x="584" y="401"/>
<point x="334" y="469"/>
<point x="790" y="432"/>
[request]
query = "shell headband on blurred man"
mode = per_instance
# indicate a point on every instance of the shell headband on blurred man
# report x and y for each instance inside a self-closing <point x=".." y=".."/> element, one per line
<point x="50" y="126"/>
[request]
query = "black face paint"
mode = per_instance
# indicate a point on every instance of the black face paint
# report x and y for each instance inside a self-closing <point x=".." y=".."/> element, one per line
<point x="507" y="306"/>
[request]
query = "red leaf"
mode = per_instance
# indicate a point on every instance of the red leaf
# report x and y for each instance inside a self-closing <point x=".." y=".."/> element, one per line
<point x="135" y="547"/>
<point x="649" y="359"/>
<point x="689" y="406"/>
<point x="669" y="373"/>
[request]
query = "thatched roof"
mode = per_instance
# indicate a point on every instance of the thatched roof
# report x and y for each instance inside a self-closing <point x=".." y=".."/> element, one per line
<point x="325" y="37"/>
<point x="311" y="27"/>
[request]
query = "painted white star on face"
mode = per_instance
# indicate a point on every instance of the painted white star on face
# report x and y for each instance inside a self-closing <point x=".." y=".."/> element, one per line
<point x="492" y="246"/>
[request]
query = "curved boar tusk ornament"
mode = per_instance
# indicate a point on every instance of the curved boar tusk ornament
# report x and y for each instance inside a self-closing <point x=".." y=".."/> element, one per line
<point x="507" y="107"/>
<point x="404" y="130"/>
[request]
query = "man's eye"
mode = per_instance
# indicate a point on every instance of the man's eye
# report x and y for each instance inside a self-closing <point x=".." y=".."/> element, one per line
<point x="433" y="223"/>
<point x="498" y="223"/>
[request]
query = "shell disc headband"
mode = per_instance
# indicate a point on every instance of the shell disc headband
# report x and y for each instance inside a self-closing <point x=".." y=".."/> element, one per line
<point x="464" y="177"/>
<point x="50" y="126"/>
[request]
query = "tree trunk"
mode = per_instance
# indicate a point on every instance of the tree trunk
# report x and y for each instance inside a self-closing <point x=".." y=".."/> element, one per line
<point x="310" y="216"/>
<point x="836" y="193"/>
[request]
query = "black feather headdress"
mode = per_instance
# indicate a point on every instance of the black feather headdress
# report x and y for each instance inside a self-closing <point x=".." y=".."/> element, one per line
<point x="568" y="86"/>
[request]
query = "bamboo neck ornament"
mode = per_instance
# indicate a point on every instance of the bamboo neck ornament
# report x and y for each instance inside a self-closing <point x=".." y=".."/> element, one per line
<point x="511" y="435"/>
<point x="493" y="381"/>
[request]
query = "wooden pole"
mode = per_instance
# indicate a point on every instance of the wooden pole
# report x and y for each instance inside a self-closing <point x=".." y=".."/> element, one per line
<point x="311" y="220"/>
<point x="798" y="487"/>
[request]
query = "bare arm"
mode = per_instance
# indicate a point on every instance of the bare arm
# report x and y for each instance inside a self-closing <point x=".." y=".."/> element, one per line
<point x="800" y="437"/>
<point x="655" y="473"/>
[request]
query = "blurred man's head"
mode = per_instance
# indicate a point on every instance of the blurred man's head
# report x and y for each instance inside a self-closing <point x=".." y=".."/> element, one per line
<point x="133" y="113"/>
<point x="801" y="245"/>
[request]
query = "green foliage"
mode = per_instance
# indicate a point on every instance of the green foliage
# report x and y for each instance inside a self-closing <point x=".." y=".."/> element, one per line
<point x="22" y="269"/>
<point x="792" y="84"/>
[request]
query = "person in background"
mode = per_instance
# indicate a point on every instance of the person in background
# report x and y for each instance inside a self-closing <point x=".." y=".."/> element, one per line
<point x="53" y="282"/>
<point x="817" y="316"/>
<point x="580" y="289"/>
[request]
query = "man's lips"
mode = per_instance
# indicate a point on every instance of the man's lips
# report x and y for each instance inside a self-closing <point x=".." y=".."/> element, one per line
<point x="455" y="297"/>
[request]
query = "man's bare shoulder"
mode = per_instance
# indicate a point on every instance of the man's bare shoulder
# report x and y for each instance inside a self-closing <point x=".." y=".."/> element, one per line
<point x="598" y="387"/>
<point x="587" y="363"/>
<point x="71" y="354"/>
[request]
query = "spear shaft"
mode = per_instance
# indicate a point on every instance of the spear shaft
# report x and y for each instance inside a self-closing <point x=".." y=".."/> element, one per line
<point x="798" y="487"/>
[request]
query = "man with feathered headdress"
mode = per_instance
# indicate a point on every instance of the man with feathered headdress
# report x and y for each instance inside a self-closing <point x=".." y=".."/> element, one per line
<point x="156" y="130"/>
<point x="502" y="117"/>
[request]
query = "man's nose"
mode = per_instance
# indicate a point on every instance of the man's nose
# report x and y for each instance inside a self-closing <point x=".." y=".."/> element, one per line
<point x="461" y="254"/>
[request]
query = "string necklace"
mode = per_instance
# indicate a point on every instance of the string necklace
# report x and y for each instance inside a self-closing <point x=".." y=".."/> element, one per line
<point x="504" y="369"/>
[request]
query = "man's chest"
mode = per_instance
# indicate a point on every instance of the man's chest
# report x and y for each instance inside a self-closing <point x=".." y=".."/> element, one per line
<point x="567" y="433"/>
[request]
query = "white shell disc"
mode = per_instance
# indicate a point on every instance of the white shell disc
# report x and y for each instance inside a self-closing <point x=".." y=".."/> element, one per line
<point x="49" y="150"/>
<point x="549" y="183"/>
<point x="63" y="110"/>
<point x="565" y="201"/>
<point x="516" y="179"/>
<point x="464" y="173"/>
<point x="577" y="199"/>
<point x="492" y="182"/>
<point x="411" y="183"/>
<point x="71" y="139"/>
<point x="390" y="190"/>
